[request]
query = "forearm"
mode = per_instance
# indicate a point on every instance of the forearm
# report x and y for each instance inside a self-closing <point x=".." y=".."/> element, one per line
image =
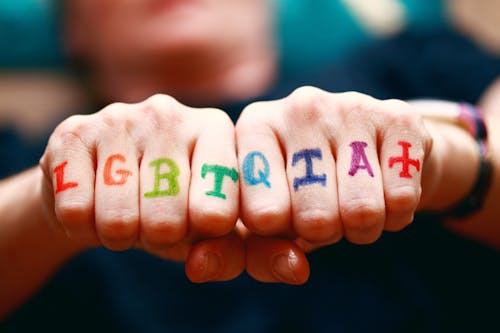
<point x="450" y="169"/>
<point x="30" y="249"/>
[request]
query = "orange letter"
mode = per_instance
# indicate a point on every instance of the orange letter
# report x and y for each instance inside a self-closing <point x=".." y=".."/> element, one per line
<point x="108" y="178"/>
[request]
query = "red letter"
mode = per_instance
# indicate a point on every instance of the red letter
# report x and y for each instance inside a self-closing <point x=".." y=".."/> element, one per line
<point x="405" y="160"/>
<point x="60" y="185"/>
<point x="108" y="177"/>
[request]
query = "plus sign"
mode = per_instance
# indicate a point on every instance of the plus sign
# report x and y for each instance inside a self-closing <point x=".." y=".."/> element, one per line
<point x="405" y="160"/>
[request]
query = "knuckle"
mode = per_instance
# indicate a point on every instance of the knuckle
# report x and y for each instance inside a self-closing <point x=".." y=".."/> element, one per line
<point x="354" y="113"/>
<point x="113" y="109"/>
<point x="354" y="105"/>
<point x="74" y="128"/>
<point x="256" y="109"/>
<point x="397" y="105"/>
<point x="390" y="117"/>
<point x="362" y="214"/>
<point x="116" y="228"/>
<point x="316" y="225"/>
<point x="306" y="105"/>
<point x="214" y="122"/>
<point x="72" y="124"/>
<point x="158" y="106"/>
<point x="155" y="114"/>
<point x="217" y="116"/>
<point x="112" y="115"/>
<point x="161" y="108"/>
<point x="213" y="222"/>
<point x="402" y="199"/>
<point x="401" y="114"/>
<point x="71" y="212"/>
<point x="255" y="115"/>
<point x="160" y="102"/>
<point x="158" y="114"/>
<point x="306" y="94"/>
<point x="166" y="230"/>
<point x="267" y="220"/>
<point x="355" y="98"/>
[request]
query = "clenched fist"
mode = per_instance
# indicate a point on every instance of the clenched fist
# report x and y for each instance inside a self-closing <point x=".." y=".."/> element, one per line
<point x="319" y="166"/>
<point x="163" y="177"/>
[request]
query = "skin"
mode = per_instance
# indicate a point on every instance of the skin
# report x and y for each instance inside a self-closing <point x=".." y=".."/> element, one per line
<point x="110" y="215"/>
<point x="278" y="224"/>
<point x="310" y="117"/>
<point x="183" y="48"/>
<point x="484" y="227"/>
<point x="49" y="228"/>
<point x="94" y="215"/>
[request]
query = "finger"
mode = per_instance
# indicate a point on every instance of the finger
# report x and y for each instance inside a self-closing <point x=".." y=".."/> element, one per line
<point x="214" y="190"/>
<point x="403" y="146"/>
<point x="219" y="259"/>
<point x="265" y="198"/>
<point x="360" y="189"/>
<point x="165" y="174"/>
<point x="310" y="166"/>
<point x="69" y="165"/>
<point x="117" y="179"/>
<point x="276" y="260"/>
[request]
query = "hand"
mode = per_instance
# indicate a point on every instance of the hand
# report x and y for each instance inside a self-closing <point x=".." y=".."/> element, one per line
<point x="318" y="166"/>
<point x="157" y="174"/>
<point x="160" y="176"/>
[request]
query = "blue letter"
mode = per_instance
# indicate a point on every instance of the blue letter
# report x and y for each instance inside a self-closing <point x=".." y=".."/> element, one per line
<point x="249" y="167"/>
<point x="310" y="177"/>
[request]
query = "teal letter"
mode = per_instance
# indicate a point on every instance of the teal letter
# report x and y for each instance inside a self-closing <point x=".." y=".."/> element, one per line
<point x="249" y="168"/>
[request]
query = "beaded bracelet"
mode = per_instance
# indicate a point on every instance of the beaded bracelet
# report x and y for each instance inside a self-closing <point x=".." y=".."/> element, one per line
<point x="470" y="118"/>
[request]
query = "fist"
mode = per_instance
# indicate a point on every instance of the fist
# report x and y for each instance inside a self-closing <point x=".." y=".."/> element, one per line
<point x="158" y="175"/>
<point x="320" y="166"/>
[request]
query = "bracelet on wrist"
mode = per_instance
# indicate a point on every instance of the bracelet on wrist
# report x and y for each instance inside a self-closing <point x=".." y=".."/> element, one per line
<point x="470" y="118"/>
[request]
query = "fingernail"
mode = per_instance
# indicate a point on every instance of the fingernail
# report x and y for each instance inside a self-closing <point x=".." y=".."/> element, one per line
<point x="213" y="264"/>
<point x="283" y="267"/>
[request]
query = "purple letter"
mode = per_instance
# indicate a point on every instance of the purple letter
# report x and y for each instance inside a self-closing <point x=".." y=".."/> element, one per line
<point x="358" y="155"/>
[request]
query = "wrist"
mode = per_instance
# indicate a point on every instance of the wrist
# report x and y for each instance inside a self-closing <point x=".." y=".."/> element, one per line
<point x="29" y="219"/>
<point x="451" y="171"/>
<point x="30" y="250"/>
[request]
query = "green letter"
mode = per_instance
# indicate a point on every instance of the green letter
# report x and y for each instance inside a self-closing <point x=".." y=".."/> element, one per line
<point x="171" y="177"/>
<point x="219" y="172"/>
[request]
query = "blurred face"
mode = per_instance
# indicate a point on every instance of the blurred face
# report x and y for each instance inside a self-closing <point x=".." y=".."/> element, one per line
<point x="196" y="50"/>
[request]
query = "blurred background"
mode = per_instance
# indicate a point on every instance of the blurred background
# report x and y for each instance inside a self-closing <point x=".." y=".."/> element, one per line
<point x="38" y="84"/>
<point x="58" y="58"/>
<point x="48" y="71"/>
